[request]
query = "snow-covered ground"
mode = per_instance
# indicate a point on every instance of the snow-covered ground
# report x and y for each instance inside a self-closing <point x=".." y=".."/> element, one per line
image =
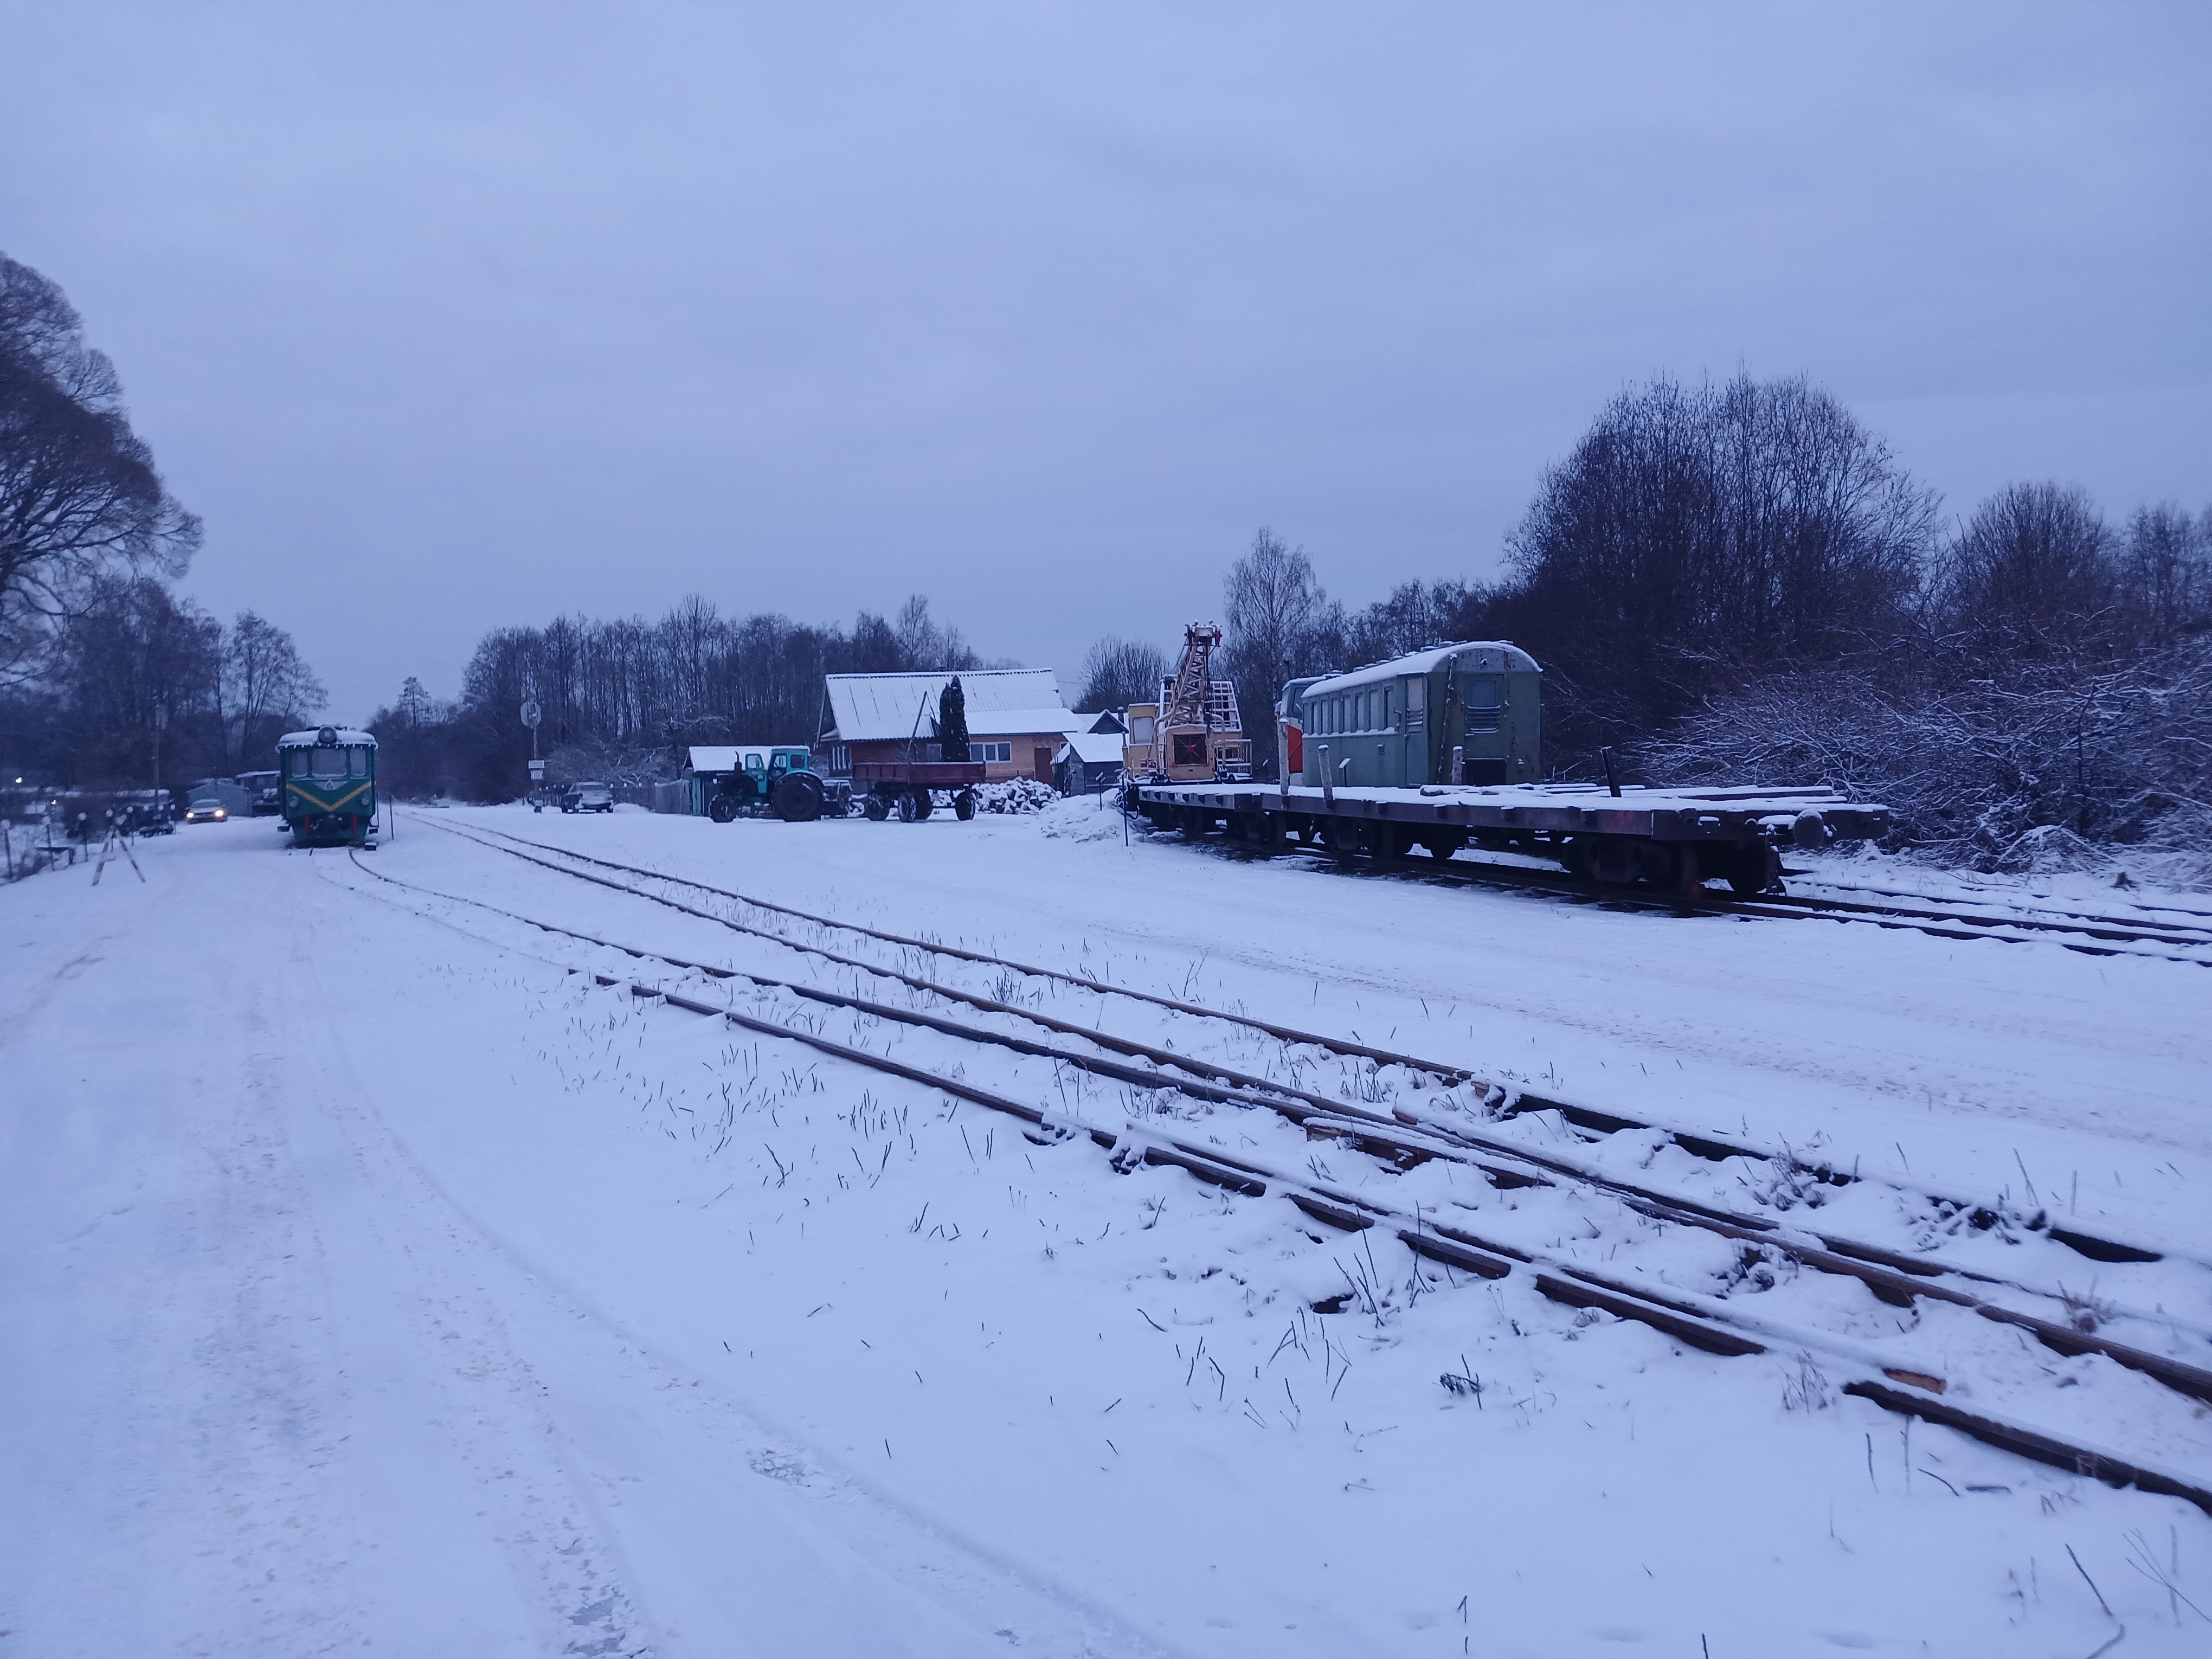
<point x="369" y="1279"/>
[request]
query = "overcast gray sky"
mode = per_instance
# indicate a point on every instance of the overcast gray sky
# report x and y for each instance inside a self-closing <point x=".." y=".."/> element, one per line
<point x="446" y="316"/>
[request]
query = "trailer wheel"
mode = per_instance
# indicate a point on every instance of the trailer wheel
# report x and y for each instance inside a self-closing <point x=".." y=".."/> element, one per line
<point x="916" y="806"/>
<point x="723" y="808"/>
<point x="875" y="808"/>
<point x="798" y="798"/>
<point x="963" y="805"/>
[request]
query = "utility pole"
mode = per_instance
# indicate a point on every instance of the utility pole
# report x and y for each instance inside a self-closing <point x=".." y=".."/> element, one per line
<point x="531" y="714"/>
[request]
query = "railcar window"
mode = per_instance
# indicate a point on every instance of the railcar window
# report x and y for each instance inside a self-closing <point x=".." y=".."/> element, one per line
<point x="1481" y="691"/>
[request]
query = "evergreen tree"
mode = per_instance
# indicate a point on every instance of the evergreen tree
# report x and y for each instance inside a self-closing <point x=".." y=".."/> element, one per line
<point x="952" y="720"/>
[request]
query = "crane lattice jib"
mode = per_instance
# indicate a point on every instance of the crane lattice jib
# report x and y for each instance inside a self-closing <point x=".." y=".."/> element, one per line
<point x="1187" y="696"/>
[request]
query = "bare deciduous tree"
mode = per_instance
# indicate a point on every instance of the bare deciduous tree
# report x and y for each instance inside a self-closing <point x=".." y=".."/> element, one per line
<point x="79" y="497"/>
<point x="1280" y="625"/>
<point x="1117" y="672"/>
<point x="263" y="689"/>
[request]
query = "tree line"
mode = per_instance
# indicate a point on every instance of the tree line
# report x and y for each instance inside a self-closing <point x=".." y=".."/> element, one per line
<point x="108" y="678"/>
<point x="1734" y="581"/>
<point x="620" y="699"/>
<point x="1740" y="582"/>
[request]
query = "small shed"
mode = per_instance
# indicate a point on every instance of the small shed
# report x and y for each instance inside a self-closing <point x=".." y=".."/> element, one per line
<point x="1087" y="761"/>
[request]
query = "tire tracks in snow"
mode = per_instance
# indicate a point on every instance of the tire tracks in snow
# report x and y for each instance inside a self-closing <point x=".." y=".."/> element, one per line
<point x="578" y="1404"/>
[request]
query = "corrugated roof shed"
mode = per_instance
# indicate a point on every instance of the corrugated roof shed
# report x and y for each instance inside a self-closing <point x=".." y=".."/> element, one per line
<point x="1092" y="748"/>
<point x="870" y="708"/>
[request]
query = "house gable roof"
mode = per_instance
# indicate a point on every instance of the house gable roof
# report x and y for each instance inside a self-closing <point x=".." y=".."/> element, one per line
<point x="871" y="707"/>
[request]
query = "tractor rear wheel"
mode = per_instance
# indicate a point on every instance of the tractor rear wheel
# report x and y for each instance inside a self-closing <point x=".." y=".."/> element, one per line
<point x="798" y="798"/>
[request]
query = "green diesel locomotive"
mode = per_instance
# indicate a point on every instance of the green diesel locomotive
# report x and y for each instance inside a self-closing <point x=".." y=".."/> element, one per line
<point x="329" y="779"/>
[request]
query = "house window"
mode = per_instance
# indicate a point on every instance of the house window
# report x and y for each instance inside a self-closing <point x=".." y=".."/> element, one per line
<point x="991" y="751"/>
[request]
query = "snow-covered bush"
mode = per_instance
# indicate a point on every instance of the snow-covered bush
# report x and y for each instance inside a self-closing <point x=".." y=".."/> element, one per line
<point x="2052" y="765"/>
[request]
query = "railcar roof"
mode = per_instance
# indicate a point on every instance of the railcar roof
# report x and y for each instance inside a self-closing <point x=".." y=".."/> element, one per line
<point x="338" y="734"/>
<point x="1518" y="661"/>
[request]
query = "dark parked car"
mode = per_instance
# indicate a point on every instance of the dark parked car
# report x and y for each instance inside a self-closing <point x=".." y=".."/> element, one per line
<point x="587" y="797"/>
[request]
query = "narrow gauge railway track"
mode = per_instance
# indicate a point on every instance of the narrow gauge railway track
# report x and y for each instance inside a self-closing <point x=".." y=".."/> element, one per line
<point x="2201" y="929"/>
<point x="1958" y="921"/>
<point x="1503" y="1100"/>
<point x="1703" y="1322"/>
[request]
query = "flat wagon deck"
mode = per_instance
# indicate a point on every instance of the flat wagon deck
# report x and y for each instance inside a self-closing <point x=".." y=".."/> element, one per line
<point x="1670" y="839"/>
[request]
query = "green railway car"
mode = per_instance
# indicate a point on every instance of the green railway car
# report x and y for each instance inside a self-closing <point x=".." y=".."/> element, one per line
<point x="329" y="779"/>
<point x="1455" y="714"/>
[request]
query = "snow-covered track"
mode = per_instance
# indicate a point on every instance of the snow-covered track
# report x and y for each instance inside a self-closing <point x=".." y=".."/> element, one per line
<point x="1709" y="1324"/>
<point x="1504" y="1100"/>
<point x="1401" y="1140"/>
<point x="2112" y="935"/>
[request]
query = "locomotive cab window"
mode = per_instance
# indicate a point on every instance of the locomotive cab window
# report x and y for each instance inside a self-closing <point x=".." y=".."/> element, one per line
<point x="1481" y="691"/>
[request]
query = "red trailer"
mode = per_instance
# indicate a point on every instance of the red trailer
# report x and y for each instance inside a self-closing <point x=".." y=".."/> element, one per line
<point x="904" y="787"/>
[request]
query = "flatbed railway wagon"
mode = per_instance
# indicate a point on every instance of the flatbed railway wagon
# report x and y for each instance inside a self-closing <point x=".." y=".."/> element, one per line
<point x="1439" y="750"/>
<point x="330" y="786"/>
<point x="1665" y="839"/>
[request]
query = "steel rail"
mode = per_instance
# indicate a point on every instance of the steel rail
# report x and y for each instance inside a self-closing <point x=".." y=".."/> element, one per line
<point x="1507" y="1100"/>
<point x="1717" y="1331"/>
<point x="1892" y="1276"/>
<point x="1774" y="907"/>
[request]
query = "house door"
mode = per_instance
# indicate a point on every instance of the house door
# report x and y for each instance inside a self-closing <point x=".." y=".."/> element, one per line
<point x="1041" y="763"/>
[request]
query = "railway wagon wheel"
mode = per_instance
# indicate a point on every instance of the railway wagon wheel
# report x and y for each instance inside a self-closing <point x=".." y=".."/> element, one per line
<point x="1754" y="868"/>
<point x="1667" y="865"/>
<point x="1613" y="862"/>
<point x="1341" y="839"/>
<point x="797" y="798"/>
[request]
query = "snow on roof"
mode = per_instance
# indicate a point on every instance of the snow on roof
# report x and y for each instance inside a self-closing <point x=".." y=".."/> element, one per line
<point x="723" y="756"/>
<point x="868" y="707"/>
<point x="338" y="734"/>
<point x="1514" y="660"/>
<point x="1093" y="748"/>
<point x="1016" y="722"/>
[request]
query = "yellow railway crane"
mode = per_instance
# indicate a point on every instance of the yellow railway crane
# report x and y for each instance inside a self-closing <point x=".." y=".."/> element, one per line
<point x="1193" y="734"/>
